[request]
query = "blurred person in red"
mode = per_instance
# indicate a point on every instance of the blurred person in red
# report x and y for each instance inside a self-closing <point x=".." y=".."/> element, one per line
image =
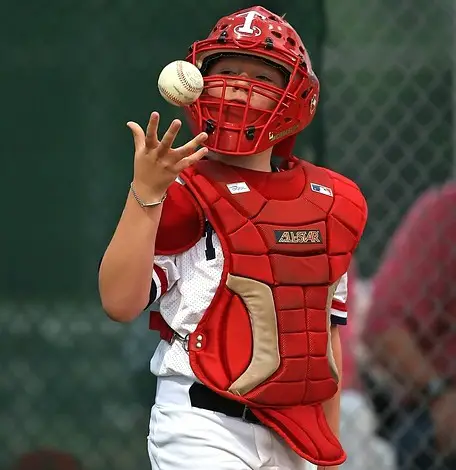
<point x="47" y="459"/>
<point x="411" y="333"/>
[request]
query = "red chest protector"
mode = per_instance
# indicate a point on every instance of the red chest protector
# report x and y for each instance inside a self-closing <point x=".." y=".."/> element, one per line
<point x="264" y="340"/>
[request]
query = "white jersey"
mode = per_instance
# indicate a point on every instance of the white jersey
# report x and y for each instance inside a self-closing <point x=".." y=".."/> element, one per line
<point x="185" y="284"/>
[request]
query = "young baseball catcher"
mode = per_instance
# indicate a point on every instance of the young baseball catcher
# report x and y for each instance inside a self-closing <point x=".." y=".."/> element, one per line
<point x="247" y="258"/>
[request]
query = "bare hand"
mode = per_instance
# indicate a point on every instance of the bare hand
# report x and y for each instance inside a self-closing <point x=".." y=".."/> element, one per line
<point x="156" y="164"/>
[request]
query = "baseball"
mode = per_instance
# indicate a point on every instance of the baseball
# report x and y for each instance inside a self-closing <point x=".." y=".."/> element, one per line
<point x="180" y="83"/>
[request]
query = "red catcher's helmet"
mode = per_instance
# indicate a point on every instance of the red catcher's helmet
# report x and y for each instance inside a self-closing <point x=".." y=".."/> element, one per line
<point x="246" y="131"/>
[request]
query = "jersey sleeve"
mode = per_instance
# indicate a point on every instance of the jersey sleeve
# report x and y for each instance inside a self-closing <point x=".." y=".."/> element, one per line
<point x="178" y="230"/>
<point x="164" y="276"/>
<point x="339" y="302"/>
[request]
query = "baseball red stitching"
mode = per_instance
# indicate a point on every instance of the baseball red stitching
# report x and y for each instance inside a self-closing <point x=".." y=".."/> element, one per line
<point x="188" y="86"/>
<point x="173" y="98"/>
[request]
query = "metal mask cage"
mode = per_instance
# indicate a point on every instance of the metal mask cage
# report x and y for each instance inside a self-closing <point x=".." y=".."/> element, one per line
<point x="237" y="128"/>
<point x="218" y="114"/>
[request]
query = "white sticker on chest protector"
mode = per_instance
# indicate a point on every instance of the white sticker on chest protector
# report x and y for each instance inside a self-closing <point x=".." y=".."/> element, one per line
<point x="237" y="188"/>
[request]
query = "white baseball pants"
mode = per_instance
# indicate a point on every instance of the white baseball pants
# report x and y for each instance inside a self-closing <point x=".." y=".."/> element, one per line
<point x="182" y="437"/>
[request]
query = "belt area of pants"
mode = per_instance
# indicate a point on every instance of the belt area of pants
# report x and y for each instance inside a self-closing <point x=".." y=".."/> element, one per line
<point x="206" y="399"/>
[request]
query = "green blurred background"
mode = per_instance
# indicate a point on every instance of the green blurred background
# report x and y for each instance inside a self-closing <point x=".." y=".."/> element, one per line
<point x="72" y="74"/>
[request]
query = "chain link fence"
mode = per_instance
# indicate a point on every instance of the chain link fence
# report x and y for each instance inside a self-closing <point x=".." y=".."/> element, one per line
<point x="73" y="74"/>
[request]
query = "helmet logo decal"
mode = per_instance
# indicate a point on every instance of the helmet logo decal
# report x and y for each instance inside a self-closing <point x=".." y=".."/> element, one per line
<point x="279" y="135"/>
<point x="313" y="104"/>
<point x="247" y="27"/>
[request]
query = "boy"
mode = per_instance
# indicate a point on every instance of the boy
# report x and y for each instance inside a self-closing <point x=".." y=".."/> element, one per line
<point x="248" y="260"/>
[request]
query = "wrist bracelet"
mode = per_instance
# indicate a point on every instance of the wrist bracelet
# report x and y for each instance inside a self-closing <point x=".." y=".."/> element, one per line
<point x="146" y="204"/>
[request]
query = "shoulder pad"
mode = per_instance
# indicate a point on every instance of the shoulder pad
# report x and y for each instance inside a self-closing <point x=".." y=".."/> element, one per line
<point x="350" y="206"/>
<point x="182" y="221"/>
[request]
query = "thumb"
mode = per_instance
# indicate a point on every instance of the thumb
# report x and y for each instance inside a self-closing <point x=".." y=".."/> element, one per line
<point x="138" y="134"/>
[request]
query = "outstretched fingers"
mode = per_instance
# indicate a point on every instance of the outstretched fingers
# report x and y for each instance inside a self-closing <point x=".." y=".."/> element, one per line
<point x="152" y="141"/>
<point x="191" y="146"/>
<point x="138" y="135"/>
<point x="168" y="139"/>
<point x="191" y="159"/>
